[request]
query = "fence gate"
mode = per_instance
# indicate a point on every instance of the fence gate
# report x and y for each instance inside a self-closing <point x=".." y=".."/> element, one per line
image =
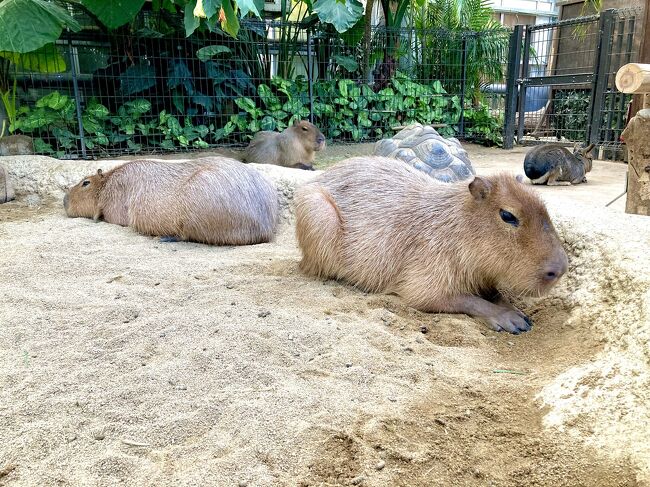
<point x="560" y="84"/>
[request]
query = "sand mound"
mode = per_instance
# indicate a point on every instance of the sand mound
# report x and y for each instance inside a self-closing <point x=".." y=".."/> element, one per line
<point x="124" y="360"/>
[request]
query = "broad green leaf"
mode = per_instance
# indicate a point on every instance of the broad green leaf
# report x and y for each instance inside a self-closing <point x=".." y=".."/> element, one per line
<point x="354" y="35"/>
<point x="230" y="24"/>
<point x="137" y="78"/>
<point x="47" y="59"/>
<point x="42" y="147"/>
<point x="341" y="14"/>
<point x="139" y="106"/>
<point x="27" y="25"/>
<point x="268" y="123"/>
<point x="97" y="110"/>
<point x="114" y="13"/>
<point x="200" y="144"/>
<point x="191" y="22"/>
<point x="205" y="53"/>
<point x="346" y="62"/>
<point x="246" y="6"/>
<point x="91" y="125"/>
<point x="211" y="7"/>
<point x="55" y="101"/>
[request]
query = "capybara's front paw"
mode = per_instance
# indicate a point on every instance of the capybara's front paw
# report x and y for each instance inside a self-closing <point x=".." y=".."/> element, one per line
<point x="512" y="321"/>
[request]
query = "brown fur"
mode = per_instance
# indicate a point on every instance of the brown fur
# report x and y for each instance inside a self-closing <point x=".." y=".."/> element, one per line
<point x="213" y="200"/>
<point x="293" y="147"/>
<point x="386" y="227"/>
<point x="16" y="145"/>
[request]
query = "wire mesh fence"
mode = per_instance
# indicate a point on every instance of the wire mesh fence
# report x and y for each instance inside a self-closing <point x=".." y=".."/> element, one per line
<point x="567" y="90"/>
<point x="148" y="88"/>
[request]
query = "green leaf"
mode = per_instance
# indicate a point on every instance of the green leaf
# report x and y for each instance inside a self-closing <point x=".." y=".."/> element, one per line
<point x="205" y="53"/>
<point x="28" y="25"/>
<point x="246" y="6"/>
<point x="231" y="24"/>
<point x="91" y="125"/>
<point x="167" y="144"/>
<point x="346" y="62"/>
<point x="55" y="101"/>
<point x="354" y="35"/>
<point x="42" y="147"/>
<point x="341" y="14"/>
<point x="137" y="78"/>
<point x="268" y="123"/>
<point x="139" y="106"/>
<point x="47" y="59"/>
<point x="211" y="7"/>
<point x="97" y="110"/>
<point x="271" y="101"/>
<point x="191" y="22"/>
<point x="133" y="146"/>
<point x="114" y="13"/>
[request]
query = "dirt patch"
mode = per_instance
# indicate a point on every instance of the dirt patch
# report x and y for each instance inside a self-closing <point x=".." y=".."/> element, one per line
<point x="124" y="360"/>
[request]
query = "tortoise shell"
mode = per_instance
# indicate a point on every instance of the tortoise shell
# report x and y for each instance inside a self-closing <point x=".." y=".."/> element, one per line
<point x="425" y="149"/>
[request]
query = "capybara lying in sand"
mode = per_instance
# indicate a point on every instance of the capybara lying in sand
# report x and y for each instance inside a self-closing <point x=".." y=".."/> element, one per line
<point x="443" y="247"/>
<point x="293" y="147"/>
<point x="215" y="200"/>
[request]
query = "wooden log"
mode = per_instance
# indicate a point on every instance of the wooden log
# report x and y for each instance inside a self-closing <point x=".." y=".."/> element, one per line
<point x="636" y="135"/>
<point x="633" y="78"/>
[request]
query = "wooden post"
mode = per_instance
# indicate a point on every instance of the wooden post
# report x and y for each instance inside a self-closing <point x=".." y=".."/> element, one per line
<point x="644" y="53"/>
<point x="635" y="78"/>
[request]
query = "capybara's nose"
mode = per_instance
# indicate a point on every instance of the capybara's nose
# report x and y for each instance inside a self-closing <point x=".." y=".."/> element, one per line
<point x="320" y="139"/>
<point x="555" y="269"/>
<point x="65" y="202"/>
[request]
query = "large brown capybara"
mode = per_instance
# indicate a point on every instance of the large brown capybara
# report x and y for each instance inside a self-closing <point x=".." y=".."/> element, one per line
<point x="294" y="147"/>
<point x="443" y="247"/>
<point x="214" y="200"/>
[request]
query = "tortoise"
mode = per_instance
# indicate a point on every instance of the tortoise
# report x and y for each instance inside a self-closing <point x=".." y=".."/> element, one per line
<point x="425" y="149"/>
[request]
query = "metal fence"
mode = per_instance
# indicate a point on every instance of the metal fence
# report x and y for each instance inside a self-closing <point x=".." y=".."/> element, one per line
<point x="562" y="81"/>
<point x="148" y="88"/>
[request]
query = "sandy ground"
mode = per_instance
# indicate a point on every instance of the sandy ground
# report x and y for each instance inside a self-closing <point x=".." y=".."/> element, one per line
<point x="126" y="361"/>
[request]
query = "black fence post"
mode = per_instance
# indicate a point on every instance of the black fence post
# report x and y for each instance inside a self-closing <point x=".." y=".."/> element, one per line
<point x="463" y="83"/>
<point x="310" y="76"/>
<point x="77" y="101"/>
<point x="514" y="68"/>
<point x="602" y="64"/>
<point x="525" y="71"/>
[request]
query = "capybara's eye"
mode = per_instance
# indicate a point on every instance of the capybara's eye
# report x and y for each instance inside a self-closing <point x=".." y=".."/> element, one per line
<point x="85" y="183"/>
<point x="305" y="128"/>
<point x="509" y="218"/>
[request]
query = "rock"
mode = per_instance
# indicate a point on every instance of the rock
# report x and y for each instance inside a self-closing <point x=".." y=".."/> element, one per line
<point x="380" y="465"/>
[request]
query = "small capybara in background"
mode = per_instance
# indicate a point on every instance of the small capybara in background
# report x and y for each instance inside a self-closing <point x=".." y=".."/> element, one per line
<point x="443" y="247"/>
<point x="555" y="165"/>
<point x="216" y="200"/>
<point x="16" y="145"/>
<point x="293" y="147"/>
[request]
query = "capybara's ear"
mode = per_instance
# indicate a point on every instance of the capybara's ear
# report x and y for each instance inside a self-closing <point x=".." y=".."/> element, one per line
<point x="100" y="173"/>
<point x="296" y="122"/>
<point x="480" y="188"/>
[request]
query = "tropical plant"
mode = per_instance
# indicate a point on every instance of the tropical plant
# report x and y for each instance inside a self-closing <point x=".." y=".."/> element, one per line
<point x="447" y="31"/>
<point x="482" y="126"/>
